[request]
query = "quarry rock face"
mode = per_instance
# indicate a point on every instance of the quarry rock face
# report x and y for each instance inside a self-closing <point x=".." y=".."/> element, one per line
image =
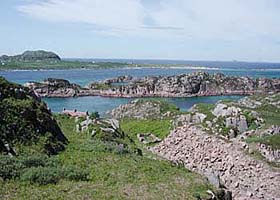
<point x="217" y="159"/>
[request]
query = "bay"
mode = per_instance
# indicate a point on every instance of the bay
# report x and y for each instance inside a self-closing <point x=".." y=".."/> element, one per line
<point x="103" y="104"/>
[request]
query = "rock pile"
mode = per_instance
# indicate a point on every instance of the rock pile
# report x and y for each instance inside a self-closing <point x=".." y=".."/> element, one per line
<point x="246" y="177"/>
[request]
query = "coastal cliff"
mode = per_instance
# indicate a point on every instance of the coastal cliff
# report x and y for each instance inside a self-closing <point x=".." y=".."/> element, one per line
<point x="185" y="85"/>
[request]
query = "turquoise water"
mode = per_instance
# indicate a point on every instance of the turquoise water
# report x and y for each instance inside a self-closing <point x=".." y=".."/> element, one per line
<point x="102" y="104"/>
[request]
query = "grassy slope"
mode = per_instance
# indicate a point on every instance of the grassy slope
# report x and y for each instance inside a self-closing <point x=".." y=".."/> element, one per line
<point x="112" y="176"/>
<point x="158" y="127"/>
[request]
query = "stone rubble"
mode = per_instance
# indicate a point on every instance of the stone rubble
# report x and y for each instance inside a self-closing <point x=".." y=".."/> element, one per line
<point x="244" y="176"/>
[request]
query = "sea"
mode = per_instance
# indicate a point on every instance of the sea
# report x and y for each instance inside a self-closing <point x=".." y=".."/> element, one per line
<point x="104" y="104"/>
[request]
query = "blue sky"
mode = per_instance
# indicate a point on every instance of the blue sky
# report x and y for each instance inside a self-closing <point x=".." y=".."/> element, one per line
<point x="151" y="29"/>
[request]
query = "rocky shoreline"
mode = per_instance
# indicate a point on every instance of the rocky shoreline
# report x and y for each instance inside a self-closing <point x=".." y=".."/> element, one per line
<point x="185" y="85"/>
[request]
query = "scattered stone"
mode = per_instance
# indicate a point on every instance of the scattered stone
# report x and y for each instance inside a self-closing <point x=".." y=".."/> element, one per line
<point x="148" y="138"/>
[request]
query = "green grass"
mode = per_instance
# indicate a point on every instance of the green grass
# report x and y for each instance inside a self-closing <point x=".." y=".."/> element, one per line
<point x="111" y="175"/>
<point x="270" y="113"/>
<point x="272" y="140"/>
<point x="206" y="109"/>
<point x="159" y="127"/>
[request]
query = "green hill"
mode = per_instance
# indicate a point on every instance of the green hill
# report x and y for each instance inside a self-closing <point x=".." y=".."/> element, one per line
<point x="39" y="55"/>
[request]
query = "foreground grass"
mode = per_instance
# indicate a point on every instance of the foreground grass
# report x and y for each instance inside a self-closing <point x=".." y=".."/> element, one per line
<point x="112" y="175"/>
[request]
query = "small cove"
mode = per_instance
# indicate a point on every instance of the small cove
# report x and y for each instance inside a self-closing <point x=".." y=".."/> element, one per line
<point x="103" y="104"/>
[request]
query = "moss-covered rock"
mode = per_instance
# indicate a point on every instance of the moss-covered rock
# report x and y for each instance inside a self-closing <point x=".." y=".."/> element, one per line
<point x="26" y="121"/>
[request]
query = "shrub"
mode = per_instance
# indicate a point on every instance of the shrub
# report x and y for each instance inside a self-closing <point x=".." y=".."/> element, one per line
<point x="74" y="174"/>
<point x="10" y="167"/>
<point x="34" y="161"/>
<point x="94" y="115"/>
<point x="41" y="175"/>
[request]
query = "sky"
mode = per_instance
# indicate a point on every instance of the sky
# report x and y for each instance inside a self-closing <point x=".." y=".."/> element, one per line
<point x="245" y="30"/>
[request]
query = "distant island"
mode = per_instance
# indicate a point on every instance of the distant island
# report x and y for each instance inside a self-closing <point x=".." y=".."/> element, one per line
<point x="30" y="56"/>
<point x="43" y="60"/>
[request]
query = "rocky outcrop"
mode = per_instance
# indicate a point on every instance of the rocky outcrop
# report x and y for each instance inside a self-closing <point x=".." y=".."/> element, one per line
<point x="246" y="177"/>
<point x="52" y="87"/>
<point x="25" y="120"/>
<point x="185" y="85"/>
<point x="259" y="101"/>
<point x="109" y="132"/>
<point x="144" y="109"/>
<point x="119" y="79"/>
<point x="190" y="118"/>
<point x="39" y="55"/>
<point x="195" y="84"/>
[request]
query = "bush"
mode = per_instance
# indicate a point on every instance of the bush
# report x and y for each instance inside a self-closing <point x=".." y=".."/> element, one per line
<point x="38" y="169"/>
<point x="94" y="115"/>
<point x="34" y="161"/>
<point x="41" y="175"/>
<point x="74" y="174"/>
<point x="51" y="175"/>
<point x="10" y="167"/>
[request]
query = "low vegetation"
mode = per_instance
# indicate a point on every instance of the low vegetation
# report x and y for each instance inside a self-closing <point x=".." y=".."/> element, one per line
<point x="90" y="169"/>
<point x="159" y="127"/>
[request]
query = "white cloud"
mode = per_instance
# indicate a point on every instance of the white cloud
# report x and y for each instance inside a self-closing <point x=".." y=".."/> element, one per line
<point x="209" y="20"/>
